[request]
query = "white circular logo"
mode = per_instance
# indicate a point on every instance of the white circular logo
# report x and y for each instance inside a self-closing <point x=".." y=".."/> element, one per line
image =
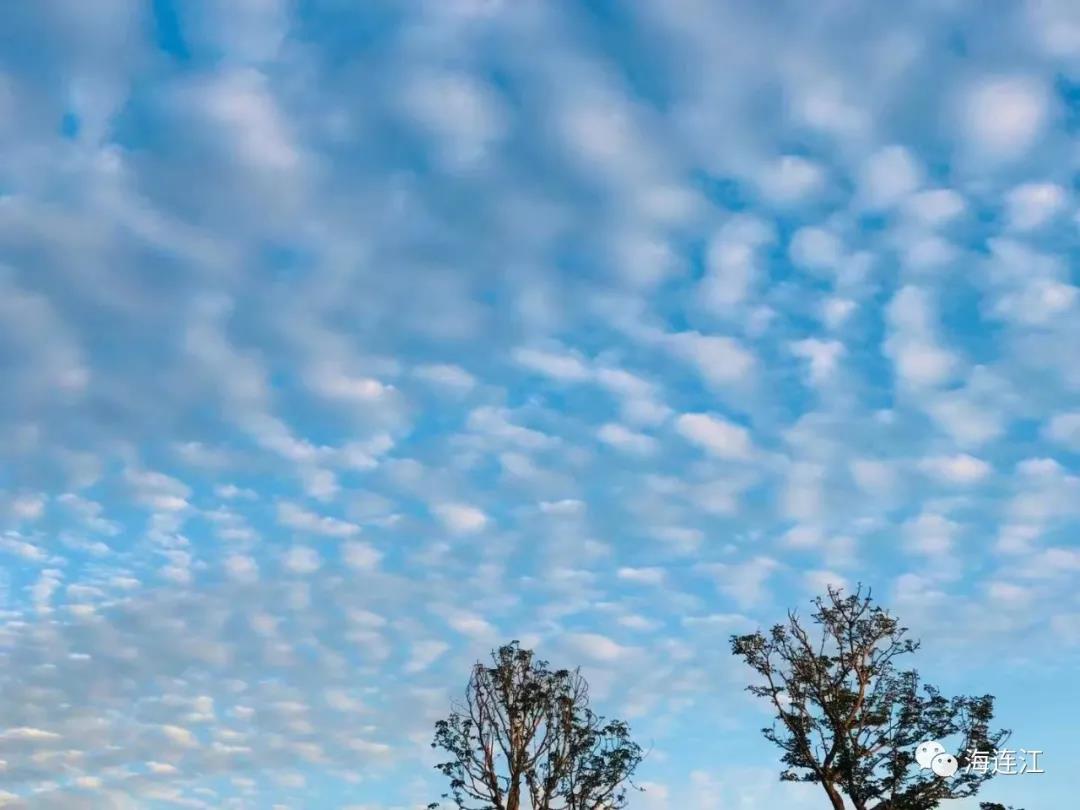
<point x="944" y="765"/>
<point x="926" y="752"/>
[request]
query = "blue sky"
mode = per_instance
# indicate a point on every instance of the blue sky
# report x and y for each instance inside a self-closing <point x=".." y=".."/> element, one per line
<point x="344" y="341"/>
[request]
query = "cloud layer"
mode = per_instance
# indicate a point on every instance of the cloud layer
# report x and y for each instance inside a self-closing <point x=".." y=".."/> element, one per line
<point x="342" y="343"/>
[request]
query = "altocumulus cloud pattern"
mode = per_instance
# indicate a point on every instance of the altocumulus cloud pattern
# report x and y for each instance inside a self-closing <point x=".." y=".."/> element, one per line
<point x="344" y="341"/>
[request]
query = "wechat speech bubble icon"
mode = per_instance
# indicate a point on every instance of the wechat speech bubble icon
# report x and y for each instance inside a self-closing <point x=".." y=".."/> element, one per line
<point x="944" y="765"/>
<point x="926" y="752"/>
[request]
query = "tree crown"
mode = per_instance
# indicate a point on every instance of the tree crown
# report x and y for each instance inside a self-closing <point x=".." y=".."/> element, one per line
<point x="847" y="716"/>
<point x="526" y="732"/>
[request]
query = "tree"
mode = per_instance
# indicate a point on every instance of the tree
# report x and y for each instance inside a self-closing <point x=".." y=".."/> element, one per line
<point x="525" y="737"/>
<point x="850" y="720"/>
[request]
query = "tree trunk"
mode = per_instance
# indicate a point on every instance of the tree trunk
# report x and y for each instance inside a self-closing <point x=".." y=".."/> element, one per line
<point x="834" y="796"/>
<point x="513" y="797"/>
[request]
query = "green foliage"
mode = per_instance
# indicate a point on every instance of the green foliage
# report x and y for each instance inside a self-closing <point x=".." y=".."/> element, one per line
<point x="849" y="719"/>
<point x="526" y="737"/>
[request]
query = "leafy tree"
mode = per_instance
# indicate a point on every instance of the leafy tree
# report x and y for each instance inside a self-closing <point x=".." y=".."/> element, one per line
<point x="850" y="720"/>
<point x="996" y="806"/>
<point x="525" y="737"/>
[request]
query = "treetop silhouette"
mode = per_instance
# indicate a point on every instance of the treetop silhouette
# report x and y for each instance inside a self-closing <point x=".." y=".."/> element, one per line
<point x="525" y="737"/>
<point x="849" y="719"/>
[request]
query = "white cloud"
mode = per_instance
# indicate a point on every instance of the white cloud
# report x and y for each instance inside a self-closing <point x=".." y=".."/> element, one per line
<point x="335" y="384"/>
<point x="1006" y="593"/>
<point x="302" y="560"/>
<point x="238" y="380"/>
<point x="179" y="736"/>
<point x="888" y="176"/>
<point x="815" y="248"/>
<point x="28" y="733"/>
<point x="638" y="398"/>
<point x="242" y="103"/>
<point x="818" y="582"/>
<point x="825" y="105"/>
<point x="716" y="435"/>
<point x="803" y="495"/>
<point x="682" y="539"/>
<point x="641" y="576"/>
<point x="361" y="556"/>
<point x="1056" y="26"/>
<point x="643" y="260"/>
<point x="446" y="376"/>
<point x="836" y="311"/>
<point x="930" y="534"/>
<point x="935" y="207"/>
<point x="497" y="424"/>
<point x="157" y="491"/>
<point x="627" y="440"/>
<point x="561" y="366"/>
<point x="645" y="412"/>
<point x="823" y="357"/>
<point x="621" y="382"/>
<point x="913" y="342"/>
<point x="424" y="654"/>
<point x="1026" y="287"/>
<point x="655" y="796"/>
<point x="52" y="361"/>
<point x="602" y="134"/>
<point x="1003" y="117"/>
<point x="566" y="506"/>
<point x="1064" y="428"/>
<point x="1044" y="493"/>
<point x="745" y="583"/>
<point x="1051" y="563"/>
<point x="715" y="497"/>
<point x="471" y="625"/>
<point x="595" y="647"/>
<point x="295" y="517"/>
<point x="320" y="484"/>
<point x="924" y="254"/>
<point x="241" y="568"/>
<point x="965" y="419"/>
<point x="248" y="31"/>
<point x="1031" y="205"/>
<point x="230" y="491"/>
<point x="28" y="507"/>
<point x="1014" y="538"/>
<point x="803" y="536"/>
<point x="460" y="518"/>
<point x="720" y="360"/>
<point x="790" y="179"/>
<point x="464" y="113"/>
<point x="960" y="469"/>
<point x="732" y="262"/>
<point x="1039" y="468"/>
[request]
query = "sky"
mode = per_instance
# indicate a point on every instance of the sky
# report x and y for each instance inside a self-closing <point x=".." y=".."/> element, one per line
<point x="343" y="342"/>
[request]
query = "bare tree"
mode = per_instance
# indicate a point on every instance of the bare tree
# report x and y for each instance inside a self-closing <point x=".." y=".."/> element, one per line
<point x="526" y="739"/>
<point x="850" y="720"/>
